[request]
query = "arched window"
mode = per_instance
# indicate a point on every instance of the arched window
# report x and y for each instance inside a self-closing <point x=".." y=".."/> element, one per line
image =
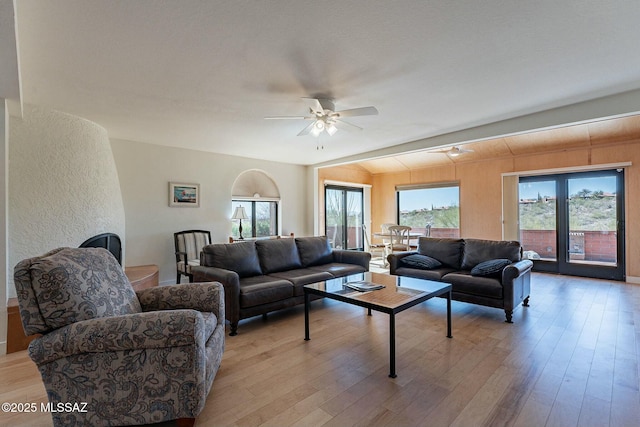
<point x="259" y="195"/>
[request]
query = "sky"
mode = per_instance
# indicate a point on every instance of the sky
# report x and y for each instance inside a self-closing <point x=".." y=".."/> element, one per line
<point x="450" y="196"/>
<point x="425" y="198"/>
<point x="530" y="190"/>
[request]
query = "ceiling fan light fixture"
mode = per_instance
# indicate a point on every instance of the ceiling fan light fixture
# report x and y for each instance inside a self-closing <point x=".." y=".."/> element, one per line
<point x="454" y="152"/>
<point x="325" y="118"/>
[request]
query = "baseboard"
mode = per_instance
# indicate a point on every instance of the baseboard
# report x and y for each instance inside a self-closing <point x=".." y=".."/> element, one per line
<point x="633" y="279"/>
<point x="3" y="348"/>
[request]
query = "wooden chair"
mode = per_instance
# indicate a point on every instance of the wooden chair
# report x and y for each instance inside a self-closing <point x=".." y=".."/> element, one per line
<point x="189" y="244"/>
<point x="399" y="238"/>
<point x="375" y="248"/>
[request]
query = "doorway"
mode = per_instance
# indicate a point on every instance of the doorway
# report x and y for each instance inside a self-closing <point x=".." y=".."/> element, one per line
<point x="344" y="207"/>
<point x="574" y="223"/>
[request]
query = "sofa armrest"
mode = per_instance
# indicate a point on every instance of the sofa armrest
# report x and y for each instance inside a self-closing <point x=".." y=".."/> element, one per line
<point x="394" y="259"/>
<point x="352" y="257"/>
<point x="206" y="297"/>
<point x="231" y="283"/>
<point x="156" y="329"/>
<point x="516" y="269"/>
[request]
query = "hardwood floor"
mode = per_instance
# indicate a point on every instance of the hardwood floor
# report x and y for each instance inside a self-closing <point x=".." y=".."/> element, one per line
<point x="570" y="359"/>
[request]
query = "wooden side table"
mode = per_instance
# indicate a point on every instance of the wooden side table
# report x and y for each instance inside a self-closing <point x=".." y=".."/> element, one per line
<point x="140" y="276"/>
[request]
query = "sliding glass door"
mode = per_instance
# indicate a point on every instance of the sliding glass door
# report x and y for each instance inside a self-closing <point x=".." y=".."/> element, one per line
<point x="344" y="207"/>
<point x="574" y="223"/>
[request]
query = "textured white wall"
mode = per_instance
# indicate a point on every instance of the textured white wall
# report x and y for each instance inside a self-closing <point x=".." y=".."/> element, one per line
<point x="145" y="171"/>
<point x="63" y="184"/>
<point x="4" y="144"/>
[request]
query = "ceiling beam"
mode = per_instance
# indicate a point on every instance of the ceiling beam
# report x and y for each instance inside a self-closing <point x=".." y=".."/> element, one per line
<point x="619" y="105"/>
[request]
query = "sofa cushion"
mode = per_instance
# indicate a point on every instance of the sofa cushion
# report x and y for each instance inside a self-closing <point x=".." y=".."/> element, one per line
<point x="258" y="290"/>
<point x="447" y="251"/>
<point x="278" y="255"/>
<point x="492" y="267"/>
<point x="301" y="277"/>
<point x="241" y="257"/>
<point x="338" y="269"/>
<point x="314" y="250"/>
<point x="477" y="251"/>
<point x="488" y="287"/>
<point x="435" y="274"/>
<point x="424" y="262"/>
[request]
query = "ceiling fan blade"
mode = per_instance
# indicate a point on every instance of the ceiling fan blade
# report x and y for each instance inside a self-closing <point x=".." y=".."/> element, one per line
<point x="307" y="130"/>
<point x="287" y="118"/>
<point x="341" y="124"/>
<point x="363" y="111"/>
<point x="314" y="105"/>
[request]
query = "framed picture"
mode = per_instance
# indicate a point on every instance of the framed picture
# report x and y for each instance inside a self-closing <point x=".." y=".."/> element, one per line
<point x="184" y="195"/>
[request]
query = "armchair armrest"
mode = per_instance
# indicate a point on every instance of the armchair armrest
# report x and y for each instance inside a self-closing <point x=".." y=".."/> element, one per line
<point x="157" y="329"/>
<point x="352" y="257"/>
<point x="181" y="256"/>
<point x="206" y="297"/>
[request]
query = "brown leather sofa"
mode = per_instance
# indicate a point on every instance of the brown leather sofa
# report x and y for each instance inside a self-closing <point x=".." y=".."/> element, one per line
<point x="260" y="276"/>
<point x="485" y="272"/>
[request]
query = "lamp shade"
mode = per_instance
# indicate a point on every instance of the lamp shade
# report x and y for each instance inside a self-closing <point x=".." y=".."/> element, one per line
<point x="239" y="213"/>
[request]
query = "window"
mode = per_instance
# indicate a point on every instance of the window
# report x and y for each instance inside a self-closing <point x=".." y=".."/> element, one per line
<point x="344" y="208"/>
<point x="263" y="218"/>
<point x="431" y="209"/>
<point x="573" y="223"/>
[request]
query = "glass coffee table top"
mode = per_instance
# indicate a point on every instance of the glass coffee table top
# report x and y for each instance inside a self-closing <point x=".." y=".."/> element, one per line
<point x="397" y="290"/>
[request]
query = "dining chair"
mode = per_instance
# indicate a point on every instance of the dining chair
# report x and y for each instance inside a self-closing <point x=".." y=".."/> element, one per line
<point x="375" y="248"/>
<point x="399" y="236"/>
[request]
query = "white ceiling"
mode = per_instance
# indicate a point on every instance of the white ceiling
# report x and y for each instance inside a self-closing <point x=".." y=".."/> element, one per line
<point x="203" y="74"/>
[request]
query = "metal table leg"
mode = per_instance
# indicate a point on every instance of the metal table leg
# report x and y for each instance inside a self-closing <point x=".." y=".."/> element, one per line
<point x="449" y="315"/>
<point x="392" y="345"/>
<point x="306" y="316"/>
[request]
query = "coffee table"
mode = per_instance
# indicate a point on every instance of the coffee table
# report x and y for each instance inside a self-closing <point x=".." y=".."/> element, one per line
<point x="398" y="294"/>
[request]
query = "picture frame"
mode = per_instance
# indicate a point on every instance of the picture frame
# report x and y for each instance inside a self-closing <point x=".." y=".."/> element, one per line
<point x="184" y="195"/>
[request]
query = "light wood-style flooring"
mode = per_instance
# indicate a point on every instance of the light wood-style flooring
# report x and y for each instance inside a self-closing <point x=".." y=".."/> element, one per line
<point x="570" y="359"/>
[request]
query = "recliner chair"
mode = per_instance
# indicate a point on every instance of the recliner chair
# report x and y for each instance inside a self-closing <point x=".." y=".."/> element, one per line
<point x="133" y="358"/>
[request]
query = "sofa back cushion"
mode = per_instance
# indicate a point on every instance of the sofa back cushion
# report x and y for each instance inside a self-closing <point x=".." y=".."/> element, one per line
<point x="278" y="255"/>
<point x="241" y="257"/>
<point x="477" y="251"/>
<point x="314" y="250"/>
<point x="447" y="251"/>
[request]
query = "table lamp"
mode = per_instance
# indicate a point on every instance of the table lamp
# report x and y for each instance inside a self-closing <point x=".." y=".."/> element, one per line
<point x="240" y="214"/>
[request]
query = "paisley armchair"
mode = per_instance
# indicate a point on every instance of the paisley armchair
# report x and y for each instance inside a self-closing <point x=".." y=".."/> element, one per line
<point x="125" y="358"/>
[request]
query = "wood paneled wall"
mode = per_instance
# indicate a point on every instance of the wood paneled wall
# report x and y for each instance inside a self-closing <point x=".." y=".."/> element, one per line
<point x="481" y="186"/>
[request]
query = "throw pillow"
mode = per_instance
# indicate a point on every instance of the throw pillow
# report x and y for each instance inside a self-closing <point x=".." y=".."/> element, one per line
<point x="493" y="267"/>
<point x="420" y="261"/>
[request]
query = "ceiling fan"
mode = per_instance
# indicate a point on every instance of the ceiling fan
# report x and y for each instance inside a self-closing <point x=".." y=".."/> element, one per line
<point x="326" y="118"/>
<point x="454" y="151"/>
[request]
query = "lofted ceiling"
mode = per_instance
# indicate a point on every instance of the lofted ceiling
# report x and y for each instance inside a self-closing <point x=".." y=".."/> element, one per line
<point x="560" y="140"/>
<point x="203" y="74"/>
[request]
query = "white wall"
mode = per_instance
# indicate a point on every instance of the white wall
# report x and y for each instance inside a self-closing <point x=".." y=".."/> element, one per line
<point x="4" y="144"/>
<point x="63" y="184"/>
<point x="145" y="171"/>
